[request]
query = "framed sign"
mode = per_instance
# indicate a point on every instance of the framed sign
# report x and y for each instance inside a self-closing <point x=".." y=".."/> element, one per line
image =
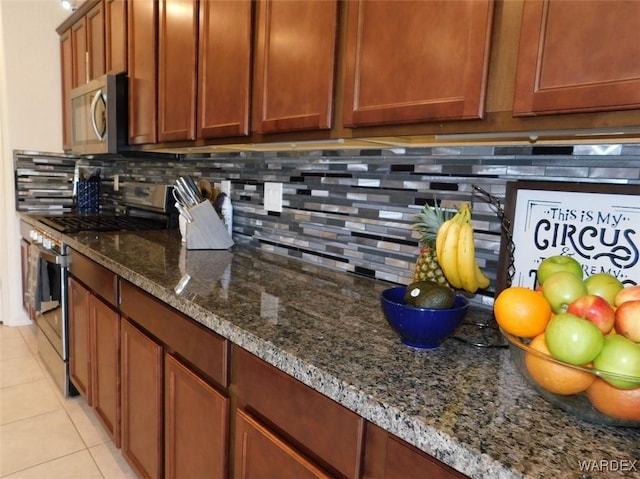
<point x="598" y="224"/>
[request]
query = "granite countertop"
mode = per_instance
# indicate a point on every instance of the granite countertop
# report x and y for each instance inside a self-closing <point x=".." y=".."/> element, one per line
<point x="464" y="405"/>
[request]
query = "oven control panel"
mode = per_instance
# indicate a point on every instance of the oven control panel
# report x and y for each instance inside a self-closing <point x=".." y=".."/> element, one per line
<point x="44" y="239"/>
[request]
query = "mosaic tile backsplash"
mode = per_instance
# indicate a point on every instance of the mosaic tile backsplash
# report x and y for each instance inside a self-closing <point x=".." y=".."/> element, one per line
<point x="353" y="210"/>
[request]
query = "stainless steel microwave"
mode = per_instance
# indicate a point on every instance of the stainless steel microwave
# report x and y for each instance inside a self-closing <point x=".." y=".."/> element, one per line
<point x="99" y="115"/>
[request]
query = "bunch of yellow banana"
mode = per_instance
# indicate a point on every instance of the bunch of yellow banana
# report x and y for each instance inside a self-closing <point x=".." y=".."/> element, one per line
<point x="455" y="250"/>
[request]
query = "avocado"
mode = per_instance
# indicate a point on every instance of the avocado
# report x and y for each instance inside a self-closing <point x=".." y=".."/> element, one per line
<point x="426" y="294"/>
<point x="417" y="288"/>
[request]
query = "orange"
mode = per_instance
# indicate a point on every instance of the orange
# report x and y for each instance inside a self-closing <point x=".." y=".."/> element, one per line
<point x="554" y="377"/>
<point x="614" y="402"/>
<point x="522" y="311"/>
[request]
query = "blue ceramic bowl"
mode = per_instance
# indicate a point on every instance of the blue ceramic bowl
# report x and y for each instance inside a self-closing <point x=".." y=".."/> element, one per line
<point x="421" y="327"/>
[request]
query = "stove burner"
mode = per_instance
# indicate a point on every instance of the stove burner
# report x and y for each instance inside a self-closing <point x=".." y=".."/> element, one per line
<point x="101" y="223"/>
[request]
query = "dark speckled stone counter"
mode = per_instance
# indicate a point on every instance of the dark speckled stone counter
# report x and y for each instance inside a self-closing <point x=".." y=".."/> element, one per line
<point x="466" y="406"/>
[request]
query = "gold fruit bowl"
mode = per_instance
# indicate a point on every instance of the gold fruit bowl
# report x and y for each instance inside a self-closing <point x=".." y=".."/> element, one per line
<point x="578" y="390"/>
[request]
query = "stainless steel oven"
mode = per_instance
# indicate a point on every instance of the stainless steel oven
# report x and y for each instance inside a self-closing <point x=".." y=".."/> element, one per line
<point x="47" y="295"/>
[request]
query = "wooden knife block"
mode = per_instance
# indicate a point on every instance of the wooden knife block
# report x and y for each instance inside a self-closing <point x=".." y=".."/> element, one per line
<point x="207" y="231"/>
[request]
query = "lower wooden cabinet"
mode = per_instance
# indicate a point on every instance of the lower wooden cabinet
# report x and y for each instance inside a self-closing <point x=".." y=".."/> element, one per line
<point x="94" y="349"/>
<point x="389" y="457"/>
<point x="261" y="454"/>
<point x="160" y="384"/>
<point x="174" y="420"/>
<point x="195" y="421"/>
<point x="105" y="365"/>
<point x="142" y="385"/>
<point x="322" y="430"/>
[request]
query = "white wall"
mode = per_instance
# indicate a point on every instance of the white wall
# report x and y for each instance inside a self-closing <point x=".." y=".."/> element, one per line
<point x="30" y="119"/>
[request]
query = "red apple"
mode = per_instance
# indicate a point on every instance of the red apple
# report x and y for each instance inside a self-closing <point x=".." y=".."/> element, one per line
<point x="604" y="285"/>
<point x="553" y="264"/>
<point x="628" y="320"/>
<point x="630" y="293"/>
<point x="595" y="309"/>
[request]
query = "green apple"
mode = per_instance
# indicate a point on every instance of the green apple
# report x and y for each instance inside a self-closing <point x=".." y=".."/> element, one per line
<point x="572" y="339"/>
<point x="561" y="289"/>
<point x="619" y="355"/>
<point x="605" y="285"/>
<point x="559" y="262"/>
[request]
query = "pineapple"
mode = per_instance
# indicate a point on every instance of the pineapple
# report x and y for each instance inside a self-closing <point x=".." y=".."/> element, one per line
<point x="427" y="267"/>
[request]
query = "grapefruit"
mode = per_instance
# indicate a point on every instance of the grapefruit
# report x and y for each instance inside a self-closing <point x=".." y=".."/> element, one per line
<point x="614" y="402"/>
<point x="554" y="377"/>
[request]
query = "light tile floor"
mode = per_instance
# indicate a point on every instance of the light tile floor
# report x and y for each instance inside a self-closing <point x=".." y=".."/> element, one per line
<point x="42" y="434"/>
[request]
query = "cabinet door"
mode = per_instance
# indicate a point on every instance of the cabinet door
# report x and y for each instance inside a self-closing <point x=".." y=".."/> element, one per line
<point x="224" y="68"/>
<point x="294" y="65"/>
<point x="66" y="68"/>
<point x="79" y="339"/>
<point x="141" y="31"/>
<point x="322" y="428"/>
<point x="79" y="52"/>
<point x="95" y="42"/>
<point x="259" y="453"/>
<point x="388" y="457"/>
<point x="578" y="56"/>
<point x="177" y="78"/>
<point x="115" y="12"/>
<point x="141" y="401"/>
<point x="105" y="391"/>
<point x="196" y="431"/>
<point x="415" y="61"/>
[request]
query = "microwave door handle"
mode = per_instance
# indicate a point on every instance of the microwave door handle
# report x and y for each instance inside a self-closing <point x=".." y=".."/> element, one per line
<point x="94" y="105"/>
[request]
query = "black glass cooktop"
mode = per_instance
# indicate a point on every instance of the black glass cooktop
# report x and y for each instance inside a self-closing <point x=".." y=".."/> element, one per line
<point x="76" y="223"/>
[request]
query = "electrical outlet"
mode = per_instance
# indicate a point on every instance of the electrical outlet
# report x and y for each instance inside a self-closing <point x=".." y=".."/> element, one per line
<point x="116" y="182"/>
<point x="273" y="197"/>
<point x="225" y="187"/>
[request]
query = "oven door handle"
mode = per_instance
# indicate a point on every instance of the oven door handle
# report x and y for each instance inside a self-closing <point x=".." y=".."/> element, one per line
<point x="54" y="258"/>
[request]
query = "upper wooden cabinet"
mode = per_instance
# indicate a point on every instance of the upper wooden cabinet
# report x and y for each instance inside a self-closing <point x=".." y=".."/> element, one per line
<point x="578" y="56"/>
<point x="66" y="70"/>
<point x="115" y="17"/>
<point x="250" y="71"/>
<point x="294" y="65"/>
<point x="95" y="42"/>
<point x="78" y="37"/>
<point x="224" y="68"/>
<point x="204" y="69"/>
<point x="142" y="17"/>
<point x="88" y="50"/>
<point x="415" y="61"/>
<point x="177" y="67"/>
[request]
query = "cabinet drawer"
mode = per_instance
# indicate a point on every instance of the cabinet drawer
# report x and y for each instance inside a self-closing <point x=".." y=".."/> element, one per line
<point x="98" y="279"/>
<point x="198" y="346"/>
<point x="325" y="431"/>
